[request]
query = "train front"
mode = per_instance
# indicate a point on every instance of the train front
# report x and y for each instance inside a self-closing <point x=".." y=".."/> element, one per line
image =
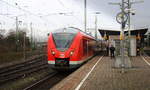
<point x="59" y="48"/>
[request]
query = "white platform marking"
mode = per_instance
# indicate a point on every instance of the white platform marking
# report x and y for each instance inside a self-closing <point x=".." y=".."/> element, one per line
<point x="81" y="83"/>
<point x="145" y="60"/>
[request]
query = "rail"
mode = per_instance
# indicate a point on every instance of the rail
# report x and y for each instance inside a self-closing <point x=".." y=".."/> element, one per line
<point x="22" y="69"/>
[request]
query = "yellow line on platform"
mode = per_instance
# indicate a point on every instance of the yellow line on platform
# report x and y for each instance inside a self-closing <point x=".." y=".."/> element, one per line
<point x="81" y="83"/>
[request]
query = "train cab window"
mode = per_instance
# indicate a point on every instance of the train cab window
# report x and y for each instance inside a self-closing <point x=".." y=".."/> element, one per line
<point x="64" y="37"/>
<point x="63" y="40"/>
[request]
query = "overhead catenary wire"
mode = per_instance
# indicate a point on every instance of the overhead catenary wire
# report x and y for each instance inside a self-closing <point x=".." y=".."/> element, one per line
<point x="62" y="4"/>
<point x="18" y="7"/>
<point x="37" y="15"/>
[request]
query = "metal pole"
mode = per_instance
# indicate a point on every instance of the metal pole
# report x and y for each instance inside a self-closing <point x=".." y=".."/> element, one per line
<point x="24" y="46"/>
<point x="96" y="26"/>
<point x="122" y="33"/>
<point x="31" y="35"/>
<point x="85" y="15"/>
<point x="129" y="22"/>
<point x="16" y="33"/>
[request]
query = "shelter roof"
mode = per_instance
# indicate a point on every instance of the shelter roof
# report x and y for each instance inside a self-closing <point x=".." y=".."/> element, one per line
<point x="114" y="32"/>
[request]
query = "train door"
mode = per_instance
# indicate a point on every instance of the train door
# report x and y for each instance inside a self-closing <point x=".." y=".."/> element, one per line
<point x="87" y="43"/>
<point x="85" y="47"/>
<point x="89" y="47"/>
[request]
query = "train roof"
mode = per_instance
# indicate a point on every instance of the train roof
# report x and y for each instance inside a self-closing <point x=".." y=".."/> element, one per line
<point x="71" y="30"/>
<point x="83" y="32"/>
<point x="67" y="30"/>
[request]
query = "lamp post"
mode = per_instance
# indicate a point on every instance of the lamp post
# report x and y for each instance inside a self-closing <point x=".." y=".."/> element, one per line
<point x="24" y="45"/>
<point x="85" y="15"/>
<point x="129" y="7"/>
<point x="31" y="35"/>
<point x="129" y="32"/>
<point x="16" y="34"/>
<point x="96" y="13"/>
<point x="17" y="29"/>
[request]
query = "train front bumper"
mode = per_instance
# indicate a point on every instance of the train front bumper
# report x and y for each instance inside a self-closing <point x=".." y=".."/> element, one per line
<point x="71" y="65"/>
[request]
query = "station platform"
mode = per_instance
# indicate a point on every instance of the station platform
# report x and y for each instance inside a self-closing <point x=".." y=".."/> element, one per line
<point x="99" y="74"/>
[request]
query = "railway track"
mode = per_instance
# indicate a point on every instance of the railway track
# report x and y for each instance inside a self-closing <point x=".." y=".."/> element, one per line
<point x="35" y="85"/>
<point x="47" y="82"/>
<point x="19" y="70"/>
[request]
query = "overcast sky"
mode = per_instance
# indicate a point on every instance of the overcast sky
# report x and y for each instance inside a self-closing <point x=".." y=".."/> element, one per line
<point x="44" y="14"/>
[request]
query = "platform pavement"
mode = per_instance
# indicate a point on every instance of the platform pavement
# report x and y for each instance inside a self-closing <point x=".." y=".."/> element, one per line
<point x="105" y="77"/>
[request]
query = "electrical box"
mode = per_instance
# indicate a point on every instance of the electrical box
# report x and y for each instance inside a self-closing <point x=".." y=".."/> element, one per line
<point x="133" y="46"/>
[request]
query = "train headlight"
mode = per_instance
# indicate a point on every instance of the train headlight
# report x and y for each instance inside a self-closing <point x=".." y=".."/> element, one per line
<point x="53" y="52"/>
<point x="71" y="53"/>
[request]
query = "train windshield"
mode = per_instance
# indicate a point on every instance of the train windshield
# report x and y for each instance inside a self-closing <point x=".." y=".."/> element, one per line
<point x="63" y="40"/>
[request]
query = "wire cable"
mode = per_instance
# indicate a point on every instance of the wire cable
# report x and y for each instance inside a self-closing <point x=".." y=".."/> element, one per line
<point x="61" y="3"/>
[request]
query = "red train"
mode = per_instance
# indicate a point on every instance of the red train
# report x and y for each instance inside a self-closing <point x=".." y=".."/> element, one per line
<point x="68" y="48"/>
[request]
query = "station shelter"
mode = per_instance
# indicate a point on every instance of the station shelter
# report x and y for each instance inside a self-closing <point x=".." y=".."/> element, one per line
<point x="136" y="42"/>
